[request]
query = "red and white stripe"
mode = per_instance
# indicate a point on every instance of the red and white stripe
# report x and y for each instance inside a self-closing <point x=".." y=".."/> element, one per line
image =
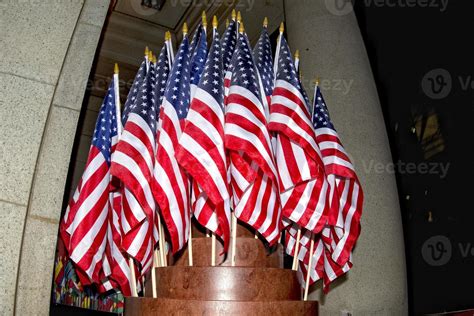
<point x="201" y="153"/>
<point x="346" y="193"/>
<point x="172" y="183"/>
<point x="301" y="172"/>
<point x="87" y="216"/>
<point x="248" y="139"/>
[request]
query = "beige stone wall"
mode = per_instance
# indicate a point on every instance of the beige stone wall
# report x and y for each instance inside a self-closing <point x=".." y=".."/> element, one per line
<point x="47" y="52"/>
<point x="332" y="48"/>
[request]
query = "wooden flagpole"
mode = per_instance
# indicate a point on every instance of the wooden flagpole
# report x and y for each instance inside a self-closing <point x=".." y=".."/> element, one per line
<point x="133" y="284"/>
<point x="163" y="250"/>
<point x="308" y="271"/>
<point x="234" y="238"/>
<point x="297" y="244"/>
<point x="213" y="250"/>
<point x="190" y="244"/>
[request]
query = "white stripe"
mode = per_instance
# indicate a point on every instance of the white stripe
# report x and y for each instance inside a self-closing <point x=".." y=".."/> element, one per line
<point x="207" y="162"/>
<point x="89" y="202"/>
<point x="137" y="119"/>
<point x="84" y="245"/>
<point x="165" y="184"/>
<point x="207" y="129"/>
<point x="286" y="120"/>
<point x="139" y="146"/>
<point x="316" y="216"/>
<point x="237" y="131"/>
<point x="348" y="222"/>
<point x="132" y="166"/>
<point x="168" y="147"/>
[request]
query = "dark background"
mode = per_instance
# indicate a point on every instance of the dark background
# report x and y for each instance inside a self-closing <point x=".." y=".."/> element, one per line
<point x="429" y="124"/>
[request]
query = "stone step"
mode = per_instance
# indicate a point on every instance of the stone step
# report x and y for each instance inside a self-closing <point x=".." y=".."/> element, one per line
<point x="225" y="283"/>
<point x="144" y="306"/>
<point x="250" y="252"/>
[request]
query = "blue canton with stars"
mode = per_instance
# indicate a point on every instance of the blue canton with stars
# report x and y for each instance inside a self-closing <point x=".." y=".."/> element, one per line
<point x="287" y="70"/>
<point x="178" y="88"/>
<point x="162" y="70"/>
<point x="262" y="55"/>
<point x="145" y="105"/>
<point x="228" y="43"/>
<point x="321" y="117"/>
<point x="195" y="40"/>
<point x="106" y="125"/>
<point x="199" y="56"/>
<point x="132" y="94"/>
<point x="243" y="68"/>
<point x="212" y="80"/>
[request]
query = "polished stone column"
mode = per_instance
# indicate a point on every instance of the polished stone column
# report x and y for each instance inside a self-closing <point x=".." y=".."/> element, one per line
<point x="47" y="52"/>
<point x="332" y="48"/>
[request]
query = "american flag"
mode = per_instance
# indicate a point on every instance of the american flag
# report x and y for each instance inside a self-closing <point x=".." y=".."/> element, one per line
<point x="198" y="59"/>
<point x="262" y="55"/>
<point x="201" y="149"/>
<point x="248" y="139"/>
<point x="301" y="171"/>
<point x="172" y="183"/>
<point x="133" y="163"/>
<point x="347" y="196"/>
<point x="86" y="220"/>
<point x="132" y="94"/>
<point x="322" y="265"/>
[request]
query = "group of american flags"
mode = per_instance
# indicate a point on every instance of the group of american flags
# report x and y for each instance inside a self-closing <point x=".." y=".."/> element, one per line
<point x="213" y="132"/>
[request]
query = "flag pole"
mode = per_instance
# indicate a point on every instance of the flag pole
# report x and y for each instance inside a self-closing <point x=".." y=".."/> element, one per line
<point x="297" y="59"/>
<point x="295" y="256"/>
<point x="308" y="271"/>
<point x="277" y="52"/>
<point x="190" y="243"/>
<point x="133" y="277"/>
<point x="316" y="84"/>
<point x="234" y="237"/>
<point x="213" y="250"/>
<point x="133" y="284"/>
<point x="162" y="242"/>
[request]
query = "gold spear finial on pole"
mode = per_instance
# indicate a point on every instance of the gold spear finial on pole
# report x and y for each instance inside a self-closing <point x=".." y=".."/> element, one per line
<point x="233" y="14"/>
<point x="297" y="54"/>
<point x="241" y="28"/>
<point x="215" y="23"/>
<point x="316" y="81"/>
<point x="116" y="69"/>
<point x="146" y="50"/>
<point x="239" y="17"/>
<point x="185" y="28"/>
<point x="204" y="19"/>
<point x="167" y="35"/>
<point x="282" y="28"/>
<point x="265" y="22"/>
